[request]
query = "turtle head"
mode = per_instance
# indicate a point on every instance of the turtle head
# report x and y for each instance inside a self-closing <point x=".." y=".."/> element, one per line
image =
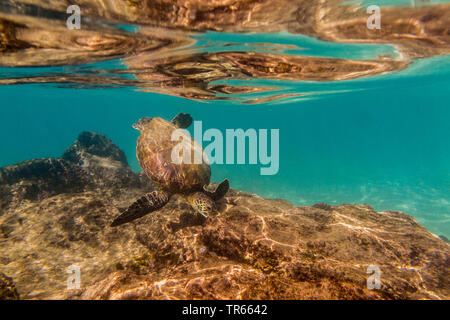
<point x="140" y="124"/>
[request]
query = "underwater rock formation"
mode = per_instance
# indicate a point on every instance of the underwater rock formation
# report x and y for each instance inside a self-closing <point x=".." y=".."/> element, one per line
<point x="255" y="248"/>
<point x="93" y="162"/>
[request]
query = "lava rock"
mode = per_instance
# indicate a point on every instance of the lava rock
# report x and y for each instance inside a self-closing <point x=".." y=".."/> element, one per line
<point x="39" y="178"/>
<point x="254" y="248"/>
<point x="92" y="162"/>
<point x="93" y="144"/>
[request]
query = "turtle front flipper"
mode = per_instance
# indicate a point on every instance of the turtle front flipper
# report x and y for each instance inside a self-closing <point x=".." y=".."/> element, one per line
<point x="150" y="202"/>
<point x="202" y="203"/>
<point x="221" y="190"/>
<point x="182" y="120"/>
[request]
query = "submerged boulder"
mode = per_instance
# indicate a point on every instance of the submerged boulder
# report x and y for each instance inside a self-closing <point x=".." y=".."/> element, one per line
<point x="255" y="248"/>
<point x="92" y="162"/>
<point x="92" y="144"/>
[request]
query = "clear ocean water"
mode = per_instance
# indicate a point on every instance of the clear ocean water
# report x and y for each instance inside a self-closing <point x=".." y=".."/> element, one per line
<point x="382" y="140"/>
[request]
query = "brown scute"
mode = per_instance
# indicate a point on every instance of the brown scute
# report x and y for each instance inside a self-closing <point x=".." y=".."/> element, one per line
<point x="154" y="153"/>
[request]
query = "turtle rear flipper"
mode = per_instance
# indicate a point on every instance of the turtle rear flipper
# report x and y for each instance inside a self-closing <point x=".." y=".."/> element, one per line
<point x="221" y="190"/>
<point x="202" y="203"/>
<point x="182" y="120"/>
<point x="150" y="202"/>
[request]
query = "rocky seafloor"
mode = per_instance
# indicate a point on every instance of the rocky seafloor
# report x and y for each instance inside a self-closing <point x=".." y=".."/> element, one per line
<point x="55" y="213"/>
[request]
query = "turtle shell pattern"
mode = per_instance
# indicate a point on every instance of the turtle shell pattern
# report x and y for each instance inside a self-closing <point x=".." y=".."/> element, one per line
<point x="154" y="153"/>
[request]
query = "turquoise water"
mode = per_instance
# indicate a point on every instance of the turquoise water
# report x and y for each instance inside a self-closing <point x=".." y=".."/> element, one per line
<point x="384" y="141"/>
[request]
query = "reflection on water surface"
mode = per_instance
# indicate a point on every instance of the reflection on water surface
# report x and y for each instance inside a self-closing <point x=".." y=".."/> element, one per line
<point x="172" y="47"/>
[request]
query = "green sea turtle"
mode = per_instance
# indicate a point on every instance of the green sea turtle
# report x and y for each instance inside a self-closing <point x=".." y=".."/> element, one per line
<point x="154" y="152"/>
